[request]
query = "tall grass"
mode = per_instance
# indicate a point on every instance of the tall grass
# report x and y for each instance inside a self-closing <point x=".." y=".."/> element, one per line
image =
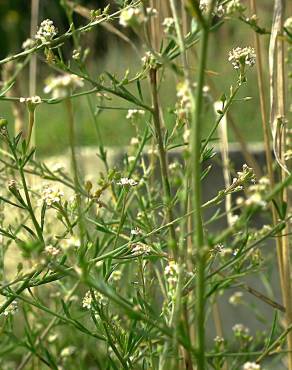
<point x="132" y="268"/>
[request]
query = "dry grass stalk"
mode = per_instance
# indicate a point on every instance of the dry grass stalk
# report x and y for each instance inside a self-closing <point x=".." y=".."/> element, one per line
<point x="277" y="89"/>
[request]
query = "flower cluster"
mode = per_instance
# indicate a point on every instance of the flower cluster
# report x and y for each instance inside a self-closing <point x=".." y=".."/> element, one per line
<point x="11" y="309"/>
<point x="139" y="249"/>
<point x="62" y="86"/>
<point x="51" y="195"/>
<point x="257" y="192"/>
<point x="31" y="102"/>
<point x="28" y="44"/>
<point x="149" y="60"/>
<point x="88" y="301"/>
<point x="52" y="251"/>
<point x="235" y="6"/>
<point x="243" y="177"/>
<point x="47" y="31"/>
<point x="125" y="181"/>
<point x="116" y="275"/>
<point x="236" y="298"/>
<point x="171" y="272"/>
<point x="242" y="332"/>
<point x="134" y="17"/>
<point x="134" y="114"/>
<point x="241" y="57"/>
<point x="168" y="25"/>
<point x="205" y="8"/>
<point x="251" y="366"/>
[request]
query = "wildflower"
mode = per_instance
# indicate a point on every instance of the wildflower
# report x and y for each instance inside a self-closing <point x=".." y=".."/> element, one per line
<point x="68" y="351"/>
<point x="251" y="366"/>
<point x="62" y="86"/>
<point x="52" y="251"/>
<point x="136" y="231"/>
<point x="288" y="25"/>
<point x="255" y="199"/>
<point x="235" y="6"/>
<point x="116" y="275"/>
<point x="134" y="141"/>
<point x="241" y="57"/>
<point x="28" y="44"/>
<point x="11" y="309"/>
<point x="171" y="272"/>
<point x="168" y="25"/>
<point x="87" y="301"/>
<point x="139" y="249"/>
<point x="124" y="181"/>
<point x="51" y="195"/>
<point x="241" y="331"/>
<point x="31" y="102"/>
<point x="183" y="95"/>
<point x="131" y="17"/>
<point x="47" y="31"/>
<point x="76" y="54"/>
<point x="219" y="340"/>
<point x="133" y="114"/>
<point x="205" y="7"/>
<point x="149" y="60"/>
<point x="236" y="298"/>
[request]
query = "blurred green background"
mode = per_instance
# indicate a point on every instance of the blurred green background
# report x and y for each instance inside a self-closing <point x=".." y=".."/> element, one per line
<point x="107" y="52"/>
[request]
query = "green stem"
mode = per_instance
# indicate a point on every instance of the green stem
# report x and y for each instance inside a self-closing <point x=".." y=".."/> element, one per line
<point x="196" y="201"/>
<point x="162" y="156"/>
<point x="74" y="166"/>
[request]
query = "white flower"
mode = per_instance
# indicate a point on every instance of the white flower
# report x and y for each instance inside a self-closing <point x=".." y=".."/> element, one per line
<point x="255" y="199"/>
<point x="236" y="298"/>
<point x="87" y="301"/>
<point x="234" y="6"/>
<point x="31" y="100"/>
<point x="28" y="44"/>
<point x="288" y="25"/>
<point x="149" y="60"/>
<point x="11" y="309"/>
<point x="124" y="181"/>
<point x="131" y="17"/>
<point x="76" y="54"/>
<point x="68" y="351"/>
<point x="62" y="86"/>
<point x="47" y="31"/>
<point x="240" y="330"/>
<point x="171" y="272"/>
<point x="205" y="7"/>
<point x="136" y="231"/>
<point x="168" y="25"/>
<point x="52" y="251"/>
<point x="133" y="114"/>
<point x="251" y="366"/>
<point x="134" y="141"/>
<point x="218" y="340"/>
<point x="51" y="195"/>
<point x="241" y="57"/>
<point x="116" y="275"/>
<point x="139" y="249"/>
